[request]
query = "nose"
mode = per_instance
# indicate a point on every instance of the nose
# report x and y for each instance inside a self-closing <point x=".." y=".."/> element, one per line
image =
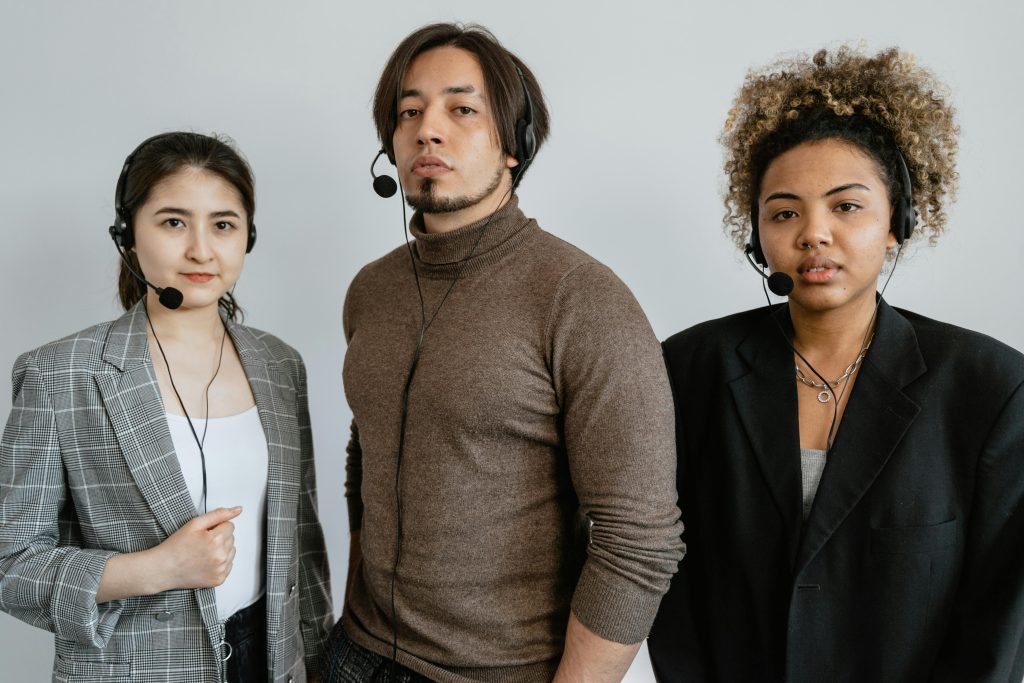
<point x="431" y="127"/>
<point x="816" y="231"/>
<point x="199" y="245"/>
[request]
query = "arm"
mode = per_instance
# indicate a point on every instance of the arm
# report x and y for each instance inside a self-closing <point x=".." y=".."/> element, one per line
<point x="589" y="657"/>
<point x="45" y="579"/>
<point x="619" y="431"/>
<point x="198" y="555"/>
<point x="985" y="638"/>
<point x="315" y="604"/>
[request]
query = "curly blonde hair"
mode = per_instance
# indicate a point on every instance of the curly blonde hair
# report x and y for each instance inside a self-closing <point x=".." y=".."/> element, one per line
<point x="885" y="99"/>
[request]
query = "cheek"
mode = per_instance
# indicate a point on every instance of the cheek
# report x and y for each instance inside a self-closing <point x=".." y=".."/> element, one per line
<point x="232" y="260"/>
<point x="149" y="251"/>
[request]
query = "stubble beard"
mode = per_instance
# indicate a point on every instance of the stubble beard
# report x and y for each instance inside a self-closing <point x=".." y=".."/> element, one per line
<point x="427" y="200"/>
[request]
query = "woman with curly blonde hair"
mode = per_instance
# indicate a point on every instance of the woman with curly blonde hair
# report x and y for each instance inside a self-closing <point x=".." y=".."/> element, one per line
<point x="851" y="474"/>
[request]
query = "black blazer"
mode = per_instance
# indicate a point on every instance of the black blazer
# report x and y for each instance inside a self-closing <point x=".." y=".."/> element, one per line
<point x="911" y="565"/>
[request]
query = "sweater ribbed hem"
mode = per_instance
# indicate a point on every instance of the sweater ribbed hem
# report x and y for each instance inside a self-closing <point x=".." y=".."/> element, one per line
<point x="535" y="672"/>
<point x="614" y="607"/>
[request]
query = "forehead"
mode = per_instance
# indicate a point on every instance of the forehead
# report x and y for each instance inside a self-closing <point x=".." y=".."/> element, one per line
<point x="191" y="185"/>
<point x="822" y="164"/>
<point x="440" y="68"/>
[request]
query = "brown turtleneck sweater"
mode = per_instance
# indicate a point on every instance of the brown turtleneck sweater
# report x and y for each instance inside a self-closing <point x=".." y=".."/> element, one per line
<point x="540" y="392"/>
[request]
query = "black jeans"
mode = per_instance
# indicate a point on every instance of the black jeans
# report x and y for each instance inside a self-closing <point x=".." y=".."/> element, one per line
<point x="245" y="632"/>
<point x="346" y="662"/>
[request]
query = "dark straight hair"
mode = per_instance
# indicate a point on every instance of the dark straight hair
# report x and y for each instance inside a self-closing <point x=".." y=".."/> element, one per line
<point x="504" y="87"/>
<point x="163" y="156"/>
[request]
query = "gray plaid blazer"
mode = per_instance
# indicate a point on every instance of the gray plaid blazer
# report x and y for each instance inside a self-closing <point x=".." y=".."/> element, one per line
<point x="88" y="469"/>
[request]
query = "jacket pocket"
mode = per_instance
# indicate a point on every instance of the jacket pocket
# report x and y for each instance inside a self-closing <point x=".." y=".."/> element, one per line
<point x="914" y="539"/>
<point x="74" y="670"/>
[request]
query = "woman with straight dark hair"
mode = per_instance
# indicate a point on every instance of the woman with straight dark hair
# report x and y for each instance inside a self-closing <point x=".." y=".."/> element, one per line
<point x="851" y="475"/>
<point x="157" y="488"/>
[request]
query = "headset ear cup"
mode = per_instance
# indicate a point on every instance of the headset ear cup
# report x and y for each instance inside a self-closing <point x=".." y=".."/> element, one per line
<point x="911" y="222"/>
<point x="251" y="242"/>
<point x="521" y="154"/>
<point x="904" y="220"/>
<point x="526" y="141"/>
<point x="122" y="234"/>
<point x="755" y="238"/>
<point x="529" y="141"/>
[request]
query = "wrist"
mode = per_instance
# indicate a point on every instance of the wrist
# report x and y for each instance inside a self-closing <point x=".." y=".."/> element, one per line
<point x="154" y="576"/>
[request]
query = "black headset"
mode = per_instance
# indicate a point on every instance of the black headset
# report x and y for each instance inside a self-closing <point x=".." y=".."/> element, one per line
<point x="526" y="134"/>
<point x="122" y="231"/>
<point x="526" y="147"/>
<point x="904" y="215"/>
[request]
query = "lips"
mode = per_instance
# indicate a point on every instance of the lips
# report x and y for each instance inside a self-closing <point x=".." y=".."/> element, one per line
<point x="817" y="269"/>
<point x="199" y="277"/>
<point x="430" y="166"/>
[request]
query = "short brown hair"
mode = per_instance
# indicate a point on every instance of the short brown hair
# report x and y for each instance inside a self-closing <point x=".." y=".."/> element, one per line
<point x="504" y="88"/>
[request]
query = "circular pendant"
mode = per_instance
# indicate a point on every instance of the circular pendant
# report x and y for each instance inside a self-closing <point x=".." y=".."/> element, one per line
<point x="824" y="396"/>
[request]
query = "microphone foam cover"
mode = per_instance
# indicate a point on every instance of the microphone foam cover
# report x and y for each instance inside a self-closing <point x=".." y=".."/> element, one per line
<point x="171" y="298"/>
<point x="780" y="284"/>
<point x="385" y="186"/>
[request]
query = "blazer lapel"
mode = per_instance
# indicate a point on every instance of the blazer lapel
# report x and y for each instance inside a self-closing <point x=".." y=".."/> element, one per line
<point x="765" y="398"/>
<point x="877" y="416"/>
<point x="275" y="402"/>
<point x="131" y="398"/>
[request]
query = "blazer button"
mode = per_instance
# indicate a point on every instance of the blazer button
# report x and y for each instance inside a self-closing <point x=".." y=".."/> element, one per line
<point x="291" y="589"/>
<point x="163" y="616"/>
<point x="291" y="680"/>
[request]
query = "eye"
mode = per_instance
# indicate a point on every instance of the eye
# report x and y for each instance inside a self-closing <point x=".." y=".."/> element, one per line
<point x="784" y="215"/>
<point x="464" y="110"/>
<point x="174" y="223"/>
<point x="408" y="113"/>
<point x="225" y="225"/>
<point x="847" y="207"/>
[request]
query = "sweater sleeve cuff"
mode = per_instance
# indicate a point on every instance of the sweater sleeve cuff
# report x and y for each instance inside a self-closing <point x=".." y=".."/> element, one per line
<point x="613" y="607"/>
<point x="76" y="616"/>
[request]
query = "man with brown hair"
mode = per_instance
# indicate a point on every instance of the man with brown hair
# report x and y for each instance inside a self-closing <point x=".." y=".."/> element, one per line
<point x="505" y="387"/>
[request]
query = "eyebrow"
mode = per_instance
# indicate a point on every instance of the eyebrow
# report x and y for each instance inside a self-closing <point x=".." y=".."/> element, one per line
<point x="452" y="90"/>
<point x="185" y="212"/>
<point x="834" y="190"/>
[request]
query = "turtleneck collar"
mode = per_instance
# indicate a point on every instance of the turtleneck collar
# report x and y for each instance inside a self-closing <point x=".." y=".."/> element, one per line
<point x="440" y="255"/>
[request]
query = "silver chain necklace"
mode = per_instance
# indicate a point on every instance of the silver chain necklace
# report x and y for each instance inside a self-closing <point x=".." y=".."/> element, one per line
<point x="825" y="395"/>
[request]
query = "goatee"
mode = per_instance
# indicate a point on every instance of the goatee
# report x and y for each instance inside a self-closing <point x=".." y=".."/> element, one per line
<point x="427" y="201"/>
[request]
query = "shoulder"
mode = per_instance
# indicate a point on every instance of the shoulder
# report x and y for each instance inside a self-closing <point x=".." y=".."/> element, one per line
<point x="964" y="352"/>
<point x="559" y="261"/>
<point x="82" y="350"/>
<point x="566" y="275"/>
<point x="714" y="335"/>
<point x="382" y="271"/>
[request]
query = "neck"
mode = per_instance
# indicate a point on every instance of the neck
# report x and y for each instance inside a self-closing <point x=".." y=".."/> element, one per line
<point x="832" y="334"/>
<point x="190" y="324"/>
<point x="447" y="222"/>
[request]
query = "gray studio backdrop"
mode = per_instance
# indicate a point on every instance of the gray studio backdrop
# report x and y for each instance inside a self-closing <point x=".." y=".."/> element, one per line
<point x="638" y="92"/>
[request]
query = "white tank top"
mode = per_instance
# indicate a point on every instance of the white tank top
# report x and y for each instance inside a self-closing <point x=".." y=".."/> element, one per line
<point x="236" y="474"/>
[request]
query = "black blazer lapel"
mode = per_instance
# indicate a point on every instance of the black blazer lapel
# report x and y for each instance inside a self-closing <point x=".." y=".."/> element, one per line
<point x="131" y="398"/>
<point x="765" y="399"/>
<point x="877" y="416"/>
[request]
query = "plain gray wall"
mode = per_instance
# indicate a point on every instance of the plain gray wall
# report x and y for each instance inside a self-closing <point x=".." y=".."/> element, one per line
<point x="638" y="92"/>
